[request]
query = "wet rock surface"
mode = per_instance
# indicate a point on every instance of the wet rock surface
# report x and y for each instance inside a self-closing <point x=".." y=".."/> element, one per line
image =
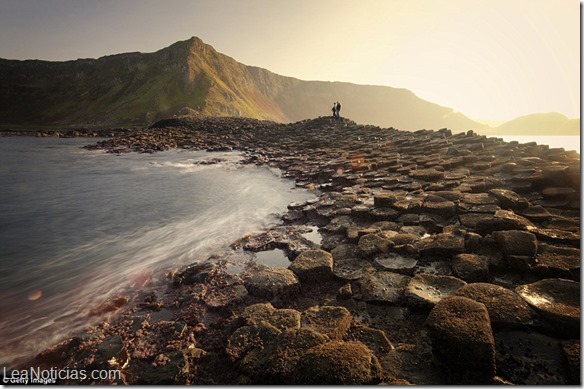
<point x="433" y="245"/>
<point x="426" y="290"/>
<point x="557" y="300"/>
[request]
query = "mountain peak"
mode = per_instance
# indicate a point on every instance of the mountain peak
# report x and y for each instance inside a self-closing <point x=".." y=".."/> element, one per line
<point x="197" y="44"/>
<point x="188" y="76"/>
<point x="193" y="44"/>
<point x="195" y="39"/>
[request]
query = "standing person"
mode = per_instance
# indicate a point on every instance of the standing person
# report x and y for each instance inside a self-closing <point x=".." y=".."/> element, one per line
<point x="334" y="110"/>
<point x="338" y="110"/>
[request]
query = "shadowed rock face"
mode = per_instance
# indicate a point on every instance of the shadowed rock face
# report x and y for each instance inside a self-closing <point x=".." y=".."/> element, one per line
<point x="445" y="259"/>
<point x="462" y="339"/>
<point x="339" y="363"/>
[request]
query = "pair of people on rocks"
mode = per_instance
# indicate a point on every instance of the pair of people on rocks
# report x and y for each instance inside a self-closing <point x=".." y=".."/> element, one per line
<point x="337" y="110"/>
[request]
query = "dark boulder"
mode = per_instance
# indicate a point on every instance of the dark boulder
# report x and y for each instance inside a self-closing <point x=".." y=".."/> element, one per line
<point x="462" y="340"/>
<point x="270" y="282"/>
<point x="331" y="321"/>
<point x="470" y="267"/>
<point x="313" y="265"/>
<point x="515" y="242"/>
<point x="338" y="363"/>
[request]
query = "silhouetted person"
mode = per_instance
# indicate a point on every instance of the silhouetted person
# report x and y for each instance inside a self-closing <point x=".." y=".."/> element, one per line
<point x="334" y="110"/>
<point x="338" y="110"/>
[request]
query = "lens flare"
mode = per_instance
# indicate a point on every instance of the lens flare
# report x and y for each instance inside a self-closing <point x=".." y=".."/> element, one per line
<point x="35" y="295"/>
<point x="357" y="161"/>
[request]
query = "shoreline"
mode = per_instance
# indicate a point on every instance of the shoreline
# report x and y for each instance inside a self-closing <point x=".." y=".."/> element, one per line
<point x="422" y="233"/>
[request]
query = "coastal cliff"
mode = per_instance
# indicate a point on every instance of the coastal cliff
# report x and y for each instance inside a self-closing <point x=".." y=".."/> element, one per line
<point x="444" y="259"/>
<point x="191" y="77"/>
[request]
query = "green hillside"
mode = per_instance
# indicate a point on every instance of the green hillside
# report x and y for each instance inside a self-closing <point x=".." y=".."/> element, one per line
<point x="191" y="77"/>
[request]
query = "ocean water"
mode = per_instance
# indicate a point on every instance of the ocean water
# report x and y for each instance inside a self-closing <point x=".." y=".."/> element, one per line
<point x="567" y="142"/>
<point x="78" y="227"/>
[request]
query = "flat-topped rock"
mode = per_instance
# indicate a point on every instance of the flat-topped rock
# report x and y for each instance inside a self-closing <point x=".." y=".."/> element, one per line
<point x="288" y="349"/>
<point x="536" y="213"/>
<point x="478" y="199"/>
<point x="427" y="174"/>
<point x="471" y="267"/>
<point x="444" y="208"/>
<point x="344" y="251"/>
<point x="351" y="268"/>
<point x="385" y="199"/>
<point x="375" y="339"/>
<point x="514" y="242"/>
<point x="397" y="263"/>
<point x="441" y="245"/>
<point x="557" y="261"/>
<point x="279" y="318"/>
<point x="561" y="192"/>
<point x="328" y="320"/>
<point x="270" y="282"/>
<point x="371" y="244"/>
<point x="246" y="343"/>
<point x="506" y="308"/>
<point x="338" y="363"/>
<point x="504" y="220"/>
<point x="313" y="265"/>
<point x="509" y="199"/>
<point x="559" y="236"/>
<point x="557" y="300"/>
<point x="426" y="290"/>
<point x="382" y="286"/>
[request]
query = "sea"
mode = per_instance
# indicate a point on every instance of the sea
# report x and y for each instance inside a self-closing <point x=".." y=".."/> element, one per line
<point x="567" y="142"/>
<point x="79" y="227"/>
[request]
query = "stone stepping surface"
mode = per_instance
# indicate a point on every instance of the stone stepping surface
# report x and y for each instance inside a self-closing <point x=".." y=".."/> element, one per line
<point x="445" y="259"/>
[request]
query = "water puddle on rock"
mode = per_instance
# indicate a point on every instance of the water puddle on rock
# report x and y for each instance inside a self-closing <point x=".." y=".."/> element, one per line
<point x="163" y="315"/>
<point x="274" y="258"/>
<point x="313" y="236"/>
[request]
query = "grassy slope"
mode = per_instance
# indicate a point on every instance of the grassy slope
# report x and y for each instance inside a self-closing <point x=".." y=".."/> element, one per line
<point x="137" y="89"/>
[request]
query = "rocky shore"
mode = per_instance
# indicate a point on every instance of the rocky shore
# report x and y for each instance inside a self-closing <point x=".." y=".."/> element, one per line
<point x="444" y="259"/>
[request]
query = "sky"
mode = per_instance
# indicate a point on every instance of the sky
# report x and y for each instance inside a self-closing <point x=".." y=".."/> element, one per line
<point x="489" y="59"/>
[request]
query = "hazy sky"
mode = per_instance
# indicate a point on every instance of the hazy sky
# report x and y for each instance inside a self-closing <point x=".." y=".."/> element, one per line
<point x="489" y="59"/>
